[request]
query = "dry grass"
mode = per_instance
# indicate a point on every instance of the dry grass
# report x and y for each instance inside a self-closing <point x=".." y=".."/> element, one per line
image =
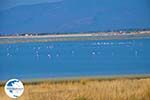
<point x="119" y="89"/>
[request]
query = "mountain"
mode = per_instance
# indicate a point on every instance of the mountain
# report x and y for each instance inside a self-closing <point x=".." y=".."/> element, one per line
<point x="76" y="16"/>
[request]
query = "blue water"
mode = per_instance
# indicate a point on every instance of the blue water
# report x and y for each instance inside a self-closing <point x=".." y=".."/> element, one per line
<point x="76" y="58"/>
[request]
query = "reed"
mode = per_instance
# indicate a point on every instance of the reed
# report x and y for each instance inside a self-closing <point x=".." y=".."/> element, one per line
<point x="118" y="89"/>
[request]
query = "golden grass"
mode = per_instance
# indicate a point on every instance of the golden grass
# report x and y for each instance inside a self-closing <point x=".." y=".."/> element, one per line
<point x="118" y="89"/>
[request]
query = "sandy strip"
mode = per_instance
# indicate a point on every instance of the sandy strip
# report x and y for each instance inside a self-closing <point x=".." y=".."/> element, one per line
<point x="49" y="36"/>
<point x="76" y="35"/>
<point x="71" y="37"/>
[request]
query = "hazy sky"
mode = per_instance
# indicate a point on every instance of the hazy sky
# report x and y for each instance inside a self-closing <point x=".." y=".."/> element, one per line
<point x="5" y="4"/>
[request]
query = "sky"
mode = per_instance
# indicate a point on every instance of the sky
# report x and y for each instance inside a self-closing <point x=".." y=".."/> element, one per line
<point x="6" y="4"/>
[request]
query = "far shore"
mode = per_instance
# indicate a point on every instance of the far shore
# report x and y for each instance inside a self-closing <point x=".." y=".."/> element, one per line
<point x="73" y="37"/>
<point x="74" y="34"/>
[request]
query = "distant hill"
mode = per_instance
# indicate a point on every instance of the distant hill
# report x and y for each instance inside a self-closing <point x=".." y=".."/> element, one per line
<point x="76" y="16"/>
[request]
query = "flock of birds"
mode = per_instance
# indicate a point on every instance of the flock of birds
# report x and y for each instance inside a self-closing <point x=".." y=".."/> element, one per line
<point x="37" y="48"/>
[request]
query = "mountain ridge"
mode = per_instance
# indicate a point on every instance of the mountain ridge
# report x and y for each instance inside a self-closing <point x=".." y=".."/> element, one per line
<point x="74" y="16"/>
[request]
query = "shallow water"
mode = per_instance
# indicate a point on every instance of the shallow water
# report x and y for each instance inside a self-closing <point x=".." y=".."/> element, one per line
<point x="74" y="58"/>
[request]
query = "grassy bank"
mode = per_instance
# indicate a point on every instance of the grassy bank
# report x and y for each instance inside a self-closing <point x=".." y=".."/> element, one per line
<point x="116" y="89"/>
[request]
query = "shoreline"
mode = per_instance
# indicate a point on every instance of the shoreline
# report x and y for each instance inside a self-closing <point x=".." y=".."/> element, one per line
<point x="79" y="78"/>
<point x="73" y="34"/>
<point x="72" y="37"/>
